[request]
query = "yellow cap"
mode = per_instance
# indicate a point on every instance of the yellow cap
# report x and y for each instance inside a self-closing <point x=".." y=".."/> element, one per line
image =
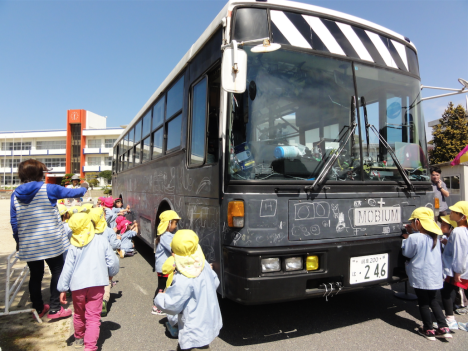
<point x="82" y="228"/>
<point x="62" y="209"/>
<point x="98" y="218"/>
<point x="74" y="209"/>
<point x="86" y="207"/>
<point x="426" y="217"/>
<point x="165" y="217"/>
<point x="188" y="255"/>
<point x="447" y="220"/>
<point x="169" y="268"/>
<point x="461" y="207"/>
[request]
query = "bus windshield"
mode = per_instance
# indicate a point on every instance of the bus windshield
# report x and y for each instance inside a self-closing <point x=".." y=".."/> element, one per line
<point x="297" y="111"/>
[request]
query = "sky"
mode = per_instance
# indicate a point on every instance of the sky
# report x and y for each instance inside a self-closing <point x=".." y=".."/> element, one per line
<point x="109" y="57"/>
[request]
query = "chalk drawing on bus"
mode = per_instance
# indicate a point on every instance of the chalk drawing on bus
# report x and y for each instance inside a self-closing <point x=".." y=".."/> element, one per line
<point x="355" y="230"/>
<point x="205" y="184"/>
<point x="372" y="202"/>
<point x="302" y="230"/>
<point x="311" y="210"/>
<point x="386" y="230"/>
<point x="429" y="205"/>
<point x="336" y="211"/>
<point x="326" y="224"/>
<point x="357" y="203"/>
<point x="341" y="225"/>
<point x="268" y="208"/>
<point x="185" y="181"/>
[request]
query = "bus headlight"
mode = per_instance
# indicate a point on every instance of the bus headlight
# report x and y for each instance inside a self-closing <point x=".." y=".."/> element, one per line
<point x="235" y="214"/>
<point x="293" y="263"/>
<point x="271" y="265"/>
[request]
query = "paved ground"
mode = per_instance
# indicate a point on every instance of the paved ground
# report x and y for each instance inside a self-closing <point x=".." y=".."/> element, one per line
<point x="367" y="320"/>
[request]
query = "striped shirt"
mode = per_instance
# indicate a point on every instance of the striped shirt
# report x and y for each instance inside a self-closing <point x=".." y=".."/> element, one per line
<point x="40" y="230"/>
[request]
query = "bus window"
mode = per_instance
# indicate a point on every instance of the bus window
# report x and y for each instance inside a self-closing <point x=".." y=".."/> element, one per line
<point x="158" y="113"/>
<point x="389" y="99"/>
<point x="146" y="149"/>
<point x="250" y="23"/>
<point x="212" y="142"/>
<point x="157" y="143"/>
<point x="146" y="127"/>
<point x="174" y="98"/>
<point x="138" y="132"/>
<point x="291" y="118"/>
<point x="137" y="154"/>
<point x="198" y="125"/>
<point x="130" y="159"/>
<point x="173" y="133"/>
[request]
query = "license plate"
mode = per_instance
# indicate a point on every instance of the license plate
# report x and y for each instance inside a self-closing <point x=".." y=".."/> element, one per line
<point x="368" y="268"/>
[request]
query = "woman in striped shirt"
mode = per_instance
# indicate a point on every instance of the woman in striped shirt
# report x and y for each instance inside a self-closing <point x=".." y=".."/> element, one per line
<point x="39" y="233"/>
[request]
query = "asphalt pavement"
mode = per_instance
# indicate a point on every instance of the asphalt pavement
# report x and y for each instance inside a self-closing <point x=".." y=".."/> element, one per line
<point x="370" y="319"/>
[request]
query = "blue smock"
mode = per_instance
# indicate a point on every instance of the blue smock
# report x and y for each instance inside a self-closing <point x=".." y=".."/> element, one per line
<point x="455" y="256"/>
<point x="425" y="267"/>
<point x="88" y="266"/>
<point x="163" y="250"/>
<point x="196" y="303"/>
<point x="110" y="217"/>
<point x="126" y="240"/>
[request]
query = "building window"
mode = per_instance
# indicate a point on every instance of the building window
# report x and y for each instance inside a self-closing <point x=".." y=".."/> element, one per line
<point x="94" y="161"/>
<point x="94" y="143"/>
<point x="51" y="145"/>
<point x="9" y="180"/>
<point x="109" y="143"/>
<point x="10" y="146"/>
<point x="52" y="162"/>
<point x="10" y="162"/>
<point x="108" y="161"/>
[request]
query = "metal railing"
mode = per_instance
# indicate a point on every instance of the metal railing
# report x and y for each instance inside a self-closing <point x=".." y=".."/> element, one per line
<point x="15" y="287"/>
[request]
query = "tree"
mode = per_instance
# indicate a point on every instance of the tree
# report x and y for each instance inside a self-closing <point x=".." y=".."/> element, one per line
<point x="107" y="175"/>
<point x="67" y="179"/>
<point x="92" y="179"/>
<point x="450" y="136"/>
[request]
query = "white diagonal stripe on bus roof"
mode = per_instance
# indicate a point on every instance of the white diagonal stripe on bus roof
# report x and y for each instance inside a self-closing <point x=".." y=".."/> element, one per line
<point x="382" y="49"/>
<point x="324" y="34"/>
<point x="288" y="29"/>
<point x="401" y="49"/>
<point x="355" y="41"/>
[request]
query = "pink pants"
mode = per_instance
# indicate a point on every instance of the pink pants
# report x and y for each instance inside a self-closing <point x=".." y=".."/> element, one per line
<point x="87" y="318"/>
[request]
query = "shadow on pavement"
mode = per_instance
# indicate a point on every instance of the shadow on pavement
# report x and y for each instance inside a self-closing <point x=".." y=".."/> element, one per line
<point x="106" y="332"/>
<point x="145" y="251"/>
<point x="113" y="298"/>
<point x="250" y="325"/>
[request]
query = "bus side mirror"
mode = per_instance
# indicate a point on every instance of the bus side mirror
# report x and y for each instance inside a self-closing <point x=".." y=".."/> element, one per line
<point x="234" y="69"/>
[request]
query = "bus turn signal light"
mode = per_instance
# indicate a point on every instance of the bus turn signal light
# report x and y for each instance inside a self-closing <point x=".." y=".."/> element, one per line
<point x="312" y="263"/>
<point x="436" y="203"/>
<point x="236" y="214"/>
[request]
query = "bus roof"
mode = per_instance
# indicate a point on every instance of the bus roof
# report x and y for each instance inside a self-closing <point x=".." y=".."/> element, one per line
<point x="214" y="25"/>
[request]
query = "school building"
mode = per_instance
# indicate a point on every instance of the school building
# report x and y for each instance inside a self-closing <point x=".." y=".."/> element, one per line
<point x="86" y="145"/>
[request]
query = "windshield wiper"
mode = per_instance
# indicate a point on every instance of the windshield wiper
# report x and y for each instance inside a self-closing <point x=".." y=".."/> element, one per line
<point x="364" y="107"/>
<point x="387" y="146"/>
<point x="331" y="161"/>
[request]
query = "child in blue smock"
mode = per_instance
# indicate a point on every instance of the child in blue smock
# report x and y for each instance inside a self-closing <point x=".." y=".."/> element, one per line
<point x="192" y="295"/>
<point x="166" y="228"/>
<point x="455" y="261"/>
<point x="424" y="270"/>
<point x="90" y="262"/>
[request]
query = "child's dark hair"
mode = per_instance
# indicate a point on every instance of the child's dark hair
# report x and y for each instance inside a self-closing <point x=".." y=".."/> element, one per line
<point x="431" y="234"/>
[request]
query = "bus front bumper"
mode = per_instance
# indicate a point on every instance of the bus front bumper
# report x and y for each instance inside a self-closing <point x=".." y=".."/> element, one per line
<point x="244" y="281"/>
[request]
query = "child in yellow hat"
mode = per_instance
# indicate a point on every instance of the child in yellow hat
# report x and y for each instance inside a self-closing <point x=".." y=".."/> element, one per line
<point x="192" y="294"/>
<point x="455" y="261"/>
<point x="425" y="271"/>
<point x="89" y="264"/>
<point x="166" y="228"/>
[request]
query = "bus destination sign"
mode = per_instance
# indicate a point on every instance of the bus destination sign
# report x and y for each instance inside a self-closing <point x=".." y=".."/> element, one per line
<point x="376" y="215"/>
